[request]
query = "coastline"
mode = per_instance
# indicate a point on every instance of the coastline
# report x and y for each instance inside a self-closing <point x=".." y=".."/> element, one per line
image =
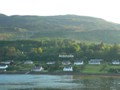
<point x="62" y="73"/>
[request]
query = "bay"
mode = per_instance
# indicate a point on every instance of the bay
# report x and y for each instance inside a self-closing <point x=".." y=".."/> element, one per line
<point x="58" y="82"/>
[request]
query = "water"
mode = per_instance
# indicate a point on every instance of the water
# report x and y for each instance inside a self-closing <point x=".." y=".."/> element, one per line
<point x="58" y="82"/>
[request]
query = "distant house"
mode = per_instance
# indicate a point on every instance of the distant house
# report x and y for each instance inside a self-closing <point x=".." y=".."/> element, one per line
<point x="3" y="67"/>
<point x="66" y="62"/>
<point x="28" y="62"/>
<point x="7" y="62"/>
<point x="79" y="62"/>
<point x="115" y="62"/>
<point x="50" y="62"/>
<point x="68" y="68"/>
<point x="37" y="68"/>
<point x="95" y="61"/>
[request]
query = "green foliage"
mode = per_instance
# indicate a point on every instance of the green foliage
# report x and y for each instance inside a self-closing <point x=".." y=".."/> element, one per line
<point x="112" y="70"/>
<point x="47" y="50"/>
<point x="76" y="68"/>
<point x="39" y="50"/>
<point x="75" y="47"/>
<point x="36" y="50"/>
<point x="55" y="67"/>
<point x="67" y="26"/>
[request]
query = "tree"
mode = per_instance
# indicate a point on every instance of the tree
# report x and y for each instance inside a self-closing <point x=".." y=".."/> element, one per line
<point x="76" y="47"/>
<point x="39" y="50"/>
<point x="11" y="51"/>
<point x="36" y="50"/>
<point x="33" y="50"/>
<point x="114" y="52"/>
<point x="73" y="48"/>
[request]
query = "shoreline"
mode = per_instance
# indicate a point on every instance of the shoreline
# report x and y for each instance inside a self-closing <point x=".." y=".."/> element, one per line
<point x="62" y="73"/>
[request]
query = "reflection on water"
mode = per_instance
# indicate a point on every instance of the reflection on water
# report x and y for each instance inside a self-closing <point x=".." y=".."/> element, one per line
<point x="58" y="82"/>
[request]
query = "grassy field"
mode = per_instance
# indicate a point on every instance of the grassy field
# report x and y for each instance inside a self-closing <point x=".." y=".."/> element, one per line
<point x="100" y="69"/>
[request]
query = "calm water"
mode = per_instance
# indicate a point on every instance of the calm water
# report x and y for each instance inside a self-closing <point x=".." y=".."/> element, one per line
<point x="60" y="82"/>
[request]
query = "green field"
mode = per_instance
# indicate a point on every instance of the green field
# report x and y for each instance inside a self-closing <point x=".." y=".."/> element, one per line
<point x="100" y="69"/>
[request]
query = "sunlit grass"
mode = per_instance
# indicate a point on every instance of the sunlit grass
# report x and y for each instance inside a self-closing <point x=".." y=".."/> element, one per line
<point x="92" y="69"/>
<point x="99" y="68"/>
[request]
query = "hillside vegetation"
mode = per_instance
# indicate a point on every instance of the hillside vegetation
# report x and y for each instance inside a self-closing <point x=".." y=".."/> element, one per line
<point x="47" y="50"/>
<point x="74" y="27"/>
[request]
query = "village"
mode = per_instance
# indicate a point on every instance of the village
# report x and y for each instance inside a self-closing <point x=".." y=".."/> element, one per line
<point x="92" y="66"/>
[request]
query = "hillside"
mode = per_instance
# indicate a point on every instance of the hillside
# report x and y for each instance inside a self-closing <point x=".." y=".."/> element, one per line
<point x="82" y="28"/>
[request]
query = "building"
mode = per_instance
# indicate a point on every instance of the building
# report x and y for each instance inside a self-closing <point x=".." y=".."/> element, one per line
<point x="116" y="62"/>
<point x="95" y="61"/>
<point x="66" y="62"/>
<point x="7" y="62"/>
<point x="3" y="67"/>
<point x="37" y="68"/>
<point x="79" y="62"/>
<point x="68" y="68"/>
<point x="50" y="62"/>
<point x="28" y="62"/>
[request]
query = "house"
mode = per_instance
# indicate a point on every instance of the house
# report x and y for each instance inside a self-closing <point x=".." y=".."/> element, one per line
<point x="68" y="68"/>
<point x="37" y="68"/>
<point x="79" y="62"/>
<point x="116" y="62"/>
<point x="7" y="62"/>
<point x="95" y="61"/>
<point x="3" y="67"/>
<point x="50" y="62"/>
<point x="28" y="62"/>
<point x="66" y="62"/>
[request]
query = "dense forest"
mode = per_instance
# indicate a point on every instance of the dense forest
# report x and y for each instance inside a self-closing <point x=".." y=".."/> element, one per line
<point x="50" y="49"/>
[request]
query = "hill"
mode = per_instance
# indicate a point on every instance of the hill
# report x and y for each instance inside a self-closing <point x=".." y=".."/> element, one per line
<point x="75" y="27"/>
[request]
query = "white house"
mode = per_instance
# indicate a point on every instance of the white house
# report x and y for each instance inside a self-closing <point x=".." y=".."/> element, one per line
<point x="68" y="68"/>
<point x="7" y="62"/>
<point x="50" y="62"/>
<point x="80" y="62"/>
<point x="37" y="68"/>
<point x="28" y="62"/>
<point x="3" y="67"/>
<point x="95" y="61"/>
<point x="116" y="62"/>
<point x="66" y="62"/>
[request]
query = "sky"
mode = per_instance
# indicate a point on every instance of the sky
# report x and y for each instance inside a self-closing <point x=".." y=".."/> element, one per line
<point x="105" y="9"/>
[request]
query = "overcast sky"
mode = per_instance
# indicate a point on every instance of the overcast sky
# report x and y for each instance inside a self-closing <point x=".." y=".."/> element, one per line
<point x="106" y="9"/>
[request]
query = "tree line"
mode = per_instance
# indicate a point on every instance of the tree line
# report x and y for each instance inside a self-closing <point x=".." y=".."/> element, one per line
<point x="50" y="49"/>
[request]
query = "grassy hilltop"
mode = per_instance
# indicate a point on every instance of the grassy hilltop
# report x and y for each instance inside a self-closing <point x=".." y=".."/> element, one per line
<point x="74" y="27"/>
